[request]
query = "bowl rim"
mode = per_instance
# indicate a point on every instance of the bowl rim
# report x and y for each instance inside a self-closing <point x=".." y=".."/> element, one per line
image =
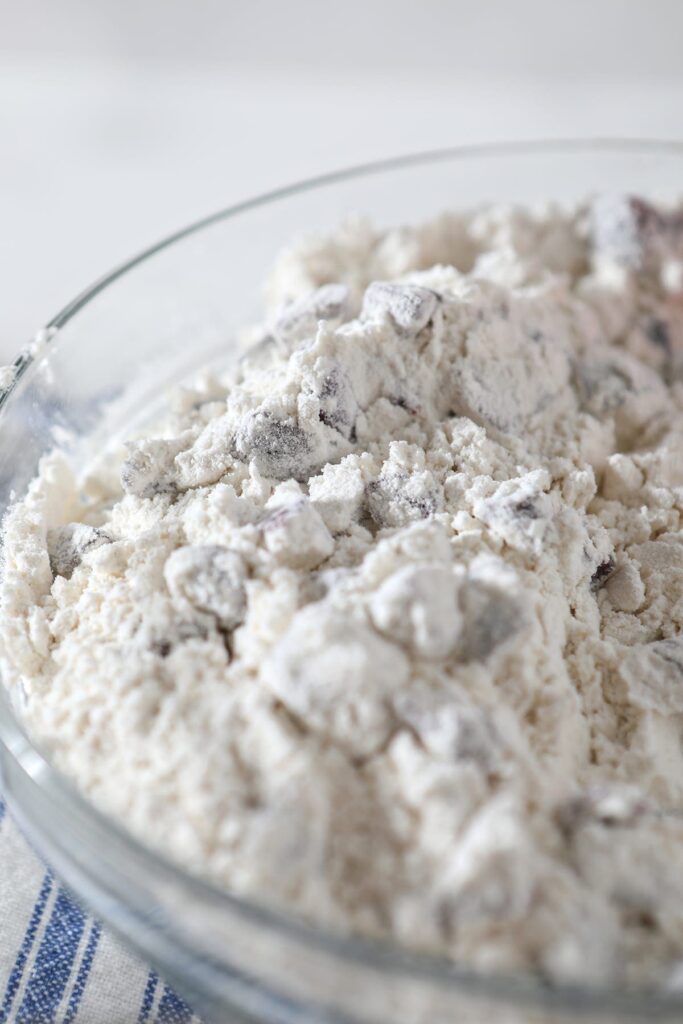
<point x="381" y="955"/>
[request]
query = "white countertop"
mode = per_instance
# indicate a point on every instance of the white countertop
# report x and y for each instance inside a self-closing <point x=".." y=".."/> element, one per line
<point x="101" y="158"/>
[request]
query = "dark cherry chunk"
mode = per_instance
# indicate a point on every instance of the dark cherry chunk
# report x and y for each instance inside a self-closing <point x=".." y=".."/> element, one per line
<point x="659" y="334"/>
<point x="671" y="652"/>
<point x="408" y="405"/>
<point x="149" y="469"/>
<point x="279" y="448"/>
<point x="211" y="578"/>
<point x="526" y="509"/>
<point x="602" y="574"/>
<point x="601" y="386"/>
<point x="395" y="499"/>
<point x="492" y="618"/>
<point x="163" y="644"/>
<point x="450" y="727"/>
<point x="300" y="318"/>
<point x="408" y="306"/>
<point x="68" y="544"/>
<point x="612" y="806"/>
<point x="634" y="234"/>
<point x="338" y="405"/>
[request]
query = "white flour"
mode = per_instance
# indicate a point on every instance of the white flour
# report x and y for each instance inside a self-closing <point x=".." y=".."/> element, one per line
<point x="389" y="633"/>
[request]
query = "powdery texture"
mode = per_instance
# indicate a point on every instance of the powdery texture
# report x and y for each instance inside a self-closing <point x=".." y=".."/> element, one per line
<point x="388" y="630"/>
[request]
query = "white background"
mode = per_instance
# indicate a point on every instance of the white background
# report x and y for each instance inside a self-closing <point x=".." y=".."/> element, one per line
<point x="121" y="121"/>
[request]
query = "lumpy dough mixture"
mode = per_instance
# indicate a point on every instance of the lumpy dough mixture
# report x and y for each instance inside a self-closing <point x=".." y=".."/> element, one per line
<point x="386" y="628"/>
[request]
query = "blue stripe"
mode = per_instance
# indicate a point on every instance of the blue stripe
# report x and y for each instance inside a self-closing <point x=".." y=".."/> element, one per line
<point x="172" y="1010"/>
<point x="54" y="962"/>
<point x="25" y="948"/>
<point x="83" y="972"/>
<point x="2" y="809"/>
<point x="148" y="998"/>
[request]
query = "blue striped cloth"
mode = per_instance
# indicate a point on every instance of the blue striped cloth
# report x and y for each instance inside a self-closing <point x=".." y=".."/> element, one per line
<point x="60" y="966"/>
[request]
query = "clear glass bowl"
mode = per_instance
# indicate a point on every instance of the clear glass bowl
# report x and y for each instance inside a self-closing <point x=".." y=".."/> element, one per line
<point x="151" y="322"/>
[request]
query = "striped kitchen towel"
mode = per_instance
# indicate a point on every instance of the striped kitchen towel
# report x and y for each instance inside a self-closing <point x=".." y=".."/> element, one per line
<point x="57" y="964"/>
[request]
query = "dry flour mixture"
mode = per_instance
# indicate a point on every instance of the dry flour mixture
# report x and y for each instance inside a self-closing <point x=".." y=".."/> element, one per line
<point x="387" y="630"/>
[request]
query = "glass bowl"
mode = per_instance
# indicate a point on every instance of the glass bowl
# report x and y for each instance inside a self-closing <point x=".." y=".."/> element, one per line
<point x="151" y="323"/>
